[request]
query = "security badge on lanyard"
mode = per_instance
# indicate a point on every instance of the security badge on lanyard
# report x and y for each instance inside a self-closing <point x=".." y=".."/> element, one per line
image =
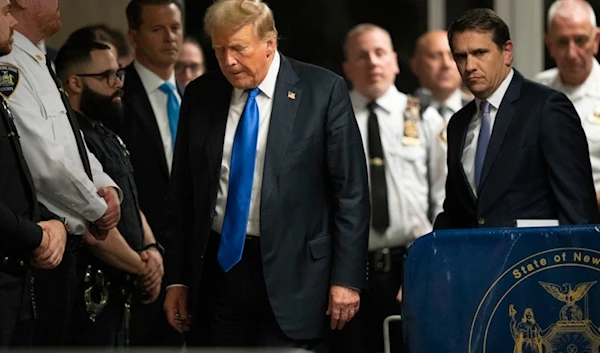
<point x="412" y="116"/>
<point x="96" y="294"/>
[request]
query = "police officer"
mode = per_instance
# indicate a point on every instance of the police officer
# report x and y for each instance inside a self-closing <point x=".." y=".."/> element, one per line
<point x="68" y="179"/>
<point x="92" y="78"/>
<point x="406" y="172"/>
<point x="22" y="241"/>
<point x="433" y="64"/>
<point x="572" y="39"/>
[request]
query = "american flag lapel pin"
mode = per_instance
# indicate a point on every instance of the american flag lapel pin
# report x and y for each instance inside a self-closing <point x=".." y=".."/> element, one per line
<point x="291" y="95"/>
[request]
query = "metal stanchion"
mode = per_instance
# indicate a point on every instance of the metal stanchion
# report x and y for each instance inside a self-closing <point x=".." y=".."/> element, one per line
<point x="386" y="331"/>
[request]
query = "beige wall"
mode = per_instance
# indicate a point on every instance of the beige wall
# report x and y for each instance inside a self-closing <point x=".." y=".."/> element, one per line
<point x="79" y="13"/>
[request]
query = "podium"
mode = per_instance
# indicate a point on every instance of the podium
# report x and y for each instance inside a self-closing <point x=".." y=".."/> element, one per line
<point x="503" y="290"/>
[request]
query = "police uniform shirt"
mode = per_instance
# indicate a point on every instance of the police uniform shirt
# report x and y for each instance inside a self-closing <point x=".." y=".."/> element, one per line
<point x="415" y="172"/>
<point x="438" y="118"/>
<point x="586" y="99"/>
<point x="114" y="156"/>
<point x="47" y="139"/>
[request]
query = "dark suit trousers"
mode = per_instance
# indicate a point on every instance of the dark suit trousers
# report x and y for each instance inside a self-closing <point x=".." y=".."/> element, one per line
<point x="241" y="313"/>
<point x="55" y="296"/>
<point x="364" y="333"/>
<point x="16" y="315"/>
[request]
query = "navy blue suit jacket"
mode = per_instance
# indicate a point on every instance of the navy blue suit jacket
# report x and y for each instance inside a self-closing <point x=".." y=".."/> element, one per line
<point x="537" y="164"/>
<point x="315" y="208"/>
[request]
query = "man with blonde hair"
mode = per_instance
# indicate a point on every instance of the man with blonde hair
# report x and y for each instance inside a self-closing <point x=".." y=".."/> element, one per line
<point x="269" y="203"/>
<point x="572" y="39"/>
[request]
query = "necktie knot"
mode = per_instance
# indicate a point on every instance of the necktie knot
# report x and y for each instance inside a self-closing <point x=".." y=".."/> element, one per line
<point x="166" y="87"/>
<point x="485" y="107"/>
<point x="252" y="93"/>
<point x="371" y="106"/>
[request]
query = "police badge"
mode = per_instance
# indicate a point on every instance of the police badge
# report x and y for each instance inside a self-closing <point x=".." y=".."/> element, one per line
<point x="412" y="116"/>
<point x="9" y="79"/>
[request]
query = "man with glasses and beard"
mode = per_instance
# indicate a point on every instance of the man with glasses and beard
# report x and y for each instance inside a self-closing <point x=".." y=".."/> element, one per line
<point x="91" y="76"/>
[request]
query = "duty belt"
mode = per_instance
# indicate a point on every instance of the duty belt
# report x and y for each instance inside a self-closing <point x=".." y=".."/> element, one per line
<point x="10" y="263"/>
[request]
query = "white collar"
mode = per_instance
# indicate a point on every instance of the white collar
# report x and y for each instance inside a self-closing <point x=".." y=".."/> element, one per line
<point x="29" y="47"/>
<point x="454" y="102"/>
<point x="588" y="87"/>
<point x="388" y="101"/>
<point x="267" y="86"/>
<point x="496" y="98"/>
<point x="150" y="80"/>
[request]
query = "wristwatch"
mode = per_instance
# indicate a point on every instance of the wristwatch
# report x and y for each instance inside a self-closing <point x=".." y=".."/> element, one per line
<point x="63" y="220"/>
<point x="158" y="247"/>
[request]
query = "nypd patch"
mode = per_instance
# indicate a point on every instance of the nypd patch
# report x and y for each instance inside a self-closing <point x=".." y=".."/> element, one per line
<point x="9" y="79"/>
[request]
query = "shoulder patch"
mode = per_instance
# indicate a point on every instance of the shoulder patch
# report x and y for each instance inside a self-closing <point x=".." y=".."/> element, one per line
<point x="9" y="79"/>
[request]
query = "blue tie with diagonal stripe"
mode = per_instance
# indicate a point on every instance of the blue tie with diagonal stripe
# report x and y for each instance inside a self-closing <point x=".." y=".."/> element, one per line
<point x="172" y="108"/>
<point x="483" y="141"/>
<point x="241" y="176"/>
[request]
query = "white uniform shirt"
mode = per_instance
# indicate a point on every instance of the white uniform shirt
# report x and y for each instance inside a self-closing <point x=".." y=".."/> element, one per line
<point x="586" y="99"/>
<point x="158" y="102"/>
<point x="48" y="143"/>
<point x="415" y="174"/>
<point x="264" y="100"/>
<point x="437" y="122"/>
<point x="472" y="136"/>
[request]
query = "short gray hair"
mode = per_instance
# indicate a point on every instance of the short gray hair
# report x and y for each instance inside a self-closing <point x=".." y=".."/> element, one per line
<point x="563" y="8"/>
<point x="361" y="29"/>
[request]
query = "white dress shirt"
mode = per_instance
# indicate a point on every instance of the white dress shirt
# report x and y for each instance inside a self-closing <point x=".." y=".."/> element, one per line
<point x="472" y="136"/>
<point x="586" y="99"/>
<point x="48" y="143"/>
<point x="264" y="101"/>
<point x="415" y="174"/>
<point x="158" y="102"/>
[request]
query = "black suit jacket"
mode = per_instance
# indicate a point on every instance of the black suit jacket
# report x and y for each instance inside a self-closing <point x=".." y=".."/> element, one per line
<point x="537" y="164"/>
<point x="314" y="212"/>
<point x="140" y="132"/>
<point x="19" y="209"/>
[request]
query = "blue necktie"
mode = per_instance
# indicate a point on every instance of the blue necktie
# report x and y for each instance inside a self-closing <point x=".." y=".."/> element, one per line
<point x="172" y="108"/>
<point x="483" y="141"/>
<point x="241" y="175"/>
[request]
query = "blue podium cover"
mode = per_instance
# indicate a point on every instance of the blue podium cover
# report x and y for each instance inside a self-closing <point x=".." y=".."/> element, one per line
<point x="503" y="290"/>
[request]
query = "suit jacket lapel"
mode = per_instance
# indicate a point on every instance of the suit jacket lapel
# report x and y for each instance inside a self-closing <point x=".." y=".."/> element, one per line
<point x="464" y="120"/>
<point x="219" y="102"/>
<point x="135" y="95"/>
<point x="502" y="121"/>
<point x="281" y="125"/>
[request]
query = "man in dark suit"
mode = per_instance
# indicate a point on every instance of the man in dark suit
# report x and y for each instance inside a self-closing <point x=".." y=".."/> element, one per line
<point x="150" y="113"/>
<point x="518" y="151"/>
<point x="22" y="241"/>
<point x="269" y="204"/>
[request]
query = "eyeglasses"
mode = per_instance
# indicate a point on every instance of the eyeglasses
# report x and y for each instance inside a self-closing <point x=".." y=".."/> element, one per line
<point x="109" y="75"/>
<point x="194" y="67"/>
